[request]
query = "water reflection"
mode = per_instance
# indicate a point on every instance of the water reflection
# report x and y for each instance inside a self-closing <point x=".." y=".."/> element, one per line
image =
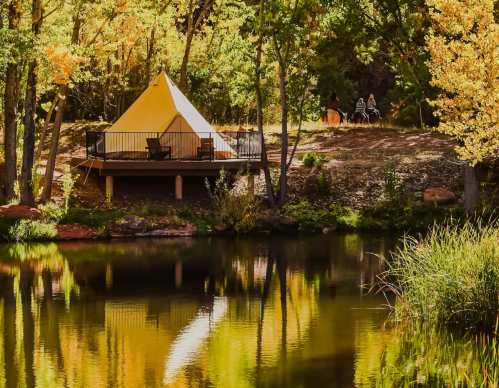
<point x="428" y="355"/>
<point x="245" y="312"/>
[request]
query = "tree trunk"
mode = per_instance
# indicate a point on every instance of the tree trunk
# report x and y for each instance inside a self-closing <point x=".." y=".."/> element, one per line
<point x="29" y="138"/>
<point x="150" y="53"/>
<point x="259" y="108"/>
<point x="29" y="117"/>
<point x="284" y="148"/>
<point x="471" y="189"/>
<point x="183" y="69"/>
<point x="54" y="146"/>
<point x="39" y="150"/>
<point x="10" y="108"/>
<point x="56" y="129"/>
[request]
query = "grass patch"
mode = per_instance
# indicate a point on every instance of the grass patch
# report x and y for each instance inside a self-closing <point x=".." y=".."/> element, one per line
<point x="405" y="216"/>
<point x="32" y="230"/>
<point x="451" y="275"/>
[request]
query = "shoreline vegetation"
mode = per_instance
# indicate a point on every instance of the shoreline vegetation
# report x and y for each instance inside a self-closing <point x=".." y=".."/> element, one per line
<point x="448" y="276"/>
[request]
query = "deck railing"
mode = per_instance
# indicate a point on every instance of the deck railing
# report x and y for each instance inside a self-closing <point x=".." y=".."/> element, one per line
<point x="173" y="145"/>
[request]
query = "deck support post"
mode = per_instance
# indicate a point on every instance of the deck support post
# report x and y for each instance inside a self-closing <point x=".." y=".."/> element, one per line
<point x="178" y="274"/>
<point x="178" y="187"/>
<point x="251" y="186"/>
<point x="109" y="187"/>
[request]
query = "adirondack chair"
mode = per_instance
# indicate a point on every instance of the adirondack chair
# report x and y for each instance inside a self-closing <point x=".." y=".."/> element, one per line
<point x="206" y="149"/>
<point x="156" y="150"/>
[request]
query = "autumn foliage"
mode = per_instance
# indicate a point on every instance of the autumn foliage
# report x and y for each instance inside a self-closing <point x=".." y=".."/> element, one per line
<point x="463" y="45"/>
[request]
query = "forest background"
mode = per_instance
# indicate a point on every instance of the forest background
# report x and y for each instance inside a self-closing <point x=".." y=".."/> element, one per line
<point x="238" y="61"/>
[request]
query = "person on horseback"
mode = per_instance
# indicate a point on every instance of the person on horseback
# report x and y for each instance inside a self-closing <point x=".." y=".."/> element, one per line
<point x="371" y="107"/>
<point x="360" y="107"/>
<point x="334" y="104"/>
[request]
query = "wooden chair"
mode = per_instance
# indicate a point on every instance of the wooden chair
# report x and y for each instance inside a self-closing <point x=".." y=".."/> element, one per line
<point x="206" y="148"/>
<point x="156" y="150"/>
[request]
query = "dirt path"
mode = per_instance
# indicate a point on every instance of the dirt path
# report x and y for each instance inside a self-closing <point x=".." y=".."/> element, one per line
<point x="356" y="157"/>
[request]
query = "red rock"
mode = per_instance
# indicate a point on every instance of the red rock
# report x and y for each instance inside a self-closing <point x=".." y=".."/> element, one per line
<point x="439" y="194"/>
<point x="184" y="231"/>
<point x="76" y="232"/>
<point x="310" y="184"/>
<point x="288" y="221"/>
<point x="266" y="219"/>
<point x="20" y="211"/>
<point x="220" y="228"/>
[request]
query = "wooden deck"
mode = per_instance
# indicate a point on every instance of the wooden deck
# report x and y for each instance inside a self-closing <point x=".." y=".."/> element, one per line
<point x="167" y="167"/>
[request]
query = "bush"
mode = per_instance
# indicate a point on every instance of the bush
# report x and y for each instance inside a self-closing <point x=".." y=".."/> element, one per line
<point x="51" y="211"/>
<point x="96" y="218"/>
<point x="32" y="230"/>
<point x="233" y="207"/>
<point x="68" y="183"/>
<point x="393" y="187"/>
<point x="312" y="220"/>
<point x="312" y="159"/>
<point x="405" y="216"/>
<point x="325" y="183"/>
<point x="452" y="275"/>
<point x="309" y="159"/>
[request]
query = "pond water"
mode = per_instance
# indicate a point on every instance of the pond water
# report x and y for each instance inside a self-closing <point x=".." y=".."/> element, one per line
<point x="263" y="311"/>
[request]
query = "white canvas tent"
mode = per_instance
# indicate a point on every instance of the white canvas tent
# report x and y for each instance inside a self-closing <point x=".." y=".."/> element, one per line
<point x="163" y="111"/>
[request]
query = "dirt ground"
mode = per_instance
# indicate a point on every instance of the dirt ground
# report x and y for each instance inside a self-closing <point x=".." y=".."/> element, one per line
<point x="355" y="157"/>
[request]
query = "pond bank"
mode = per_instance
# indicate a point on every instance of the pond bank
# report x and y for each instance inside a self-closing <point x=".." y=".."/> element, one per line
<point x="147" y="220"/>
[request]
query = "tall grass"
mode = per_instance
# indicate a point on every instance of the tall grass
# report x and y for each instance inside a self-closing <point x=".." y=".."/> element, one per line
<point x="427" y="355"/>
<point x="451" y="275"/>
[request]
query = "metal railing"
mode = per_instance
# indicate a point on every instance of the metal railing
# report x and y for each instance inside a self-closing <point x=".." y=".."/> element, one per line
<point x="173" y="145"/>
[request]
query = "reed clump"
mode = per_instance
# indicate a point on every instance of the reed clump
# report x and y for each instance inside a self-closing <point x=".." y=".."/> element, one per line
<point x="451" y="274"/>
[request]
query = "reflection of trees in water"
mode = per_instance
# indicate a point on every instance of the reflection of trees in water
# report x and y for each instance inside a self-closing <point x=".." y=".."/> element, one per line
<point x="410" y="355"/>
<point x="76" y="335"/>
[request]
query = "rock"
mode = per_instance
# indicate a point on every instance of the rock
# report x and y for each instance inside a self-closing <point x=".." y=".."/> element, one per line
<point x="20" y="211"/>
<point x="288" y="221"/>
<point x="220" y="228"/>
<point x="76" y="232"/>
<point x="440" y="195"/>
<point x="184" y="231"/>
<point x="134" y="222"/>
<point x="310" y="184"/>
<point x="332" y="228"/>
<point x="265" y="219"/>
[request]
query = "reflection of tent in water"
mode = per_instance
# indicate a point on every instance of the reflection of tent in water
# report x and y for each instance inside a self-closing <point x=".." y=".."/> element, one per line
<point x="187" y="344"/>
<point x="163" y="112"/>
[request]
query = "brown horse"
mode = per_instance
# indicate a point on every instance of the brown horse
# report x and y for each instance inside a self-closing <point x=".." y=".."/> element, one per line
<point x="359" y="118"/>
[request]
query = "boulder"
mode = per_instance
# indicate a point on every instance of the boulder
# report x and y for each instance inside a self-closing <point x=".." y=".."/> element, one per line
<point x="134" y="222"/>
<point x="288" y="221"/>
<point x="310" y="184"/>
<point x="220" y="228"/>
<point x="184" y="231"/>
<point x="20" y="212"/>
<point x="440" y="195"/>
<point x="265" y="219"/>
<point x="76" y="232"/>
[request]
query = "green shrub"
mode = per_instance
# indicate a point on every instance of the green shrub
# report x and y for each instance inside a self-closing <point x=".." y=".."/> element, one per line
<point x="32" y="230"/>
<point x="451" y="275"/>
<point x="313" y="220"/>
<point x="68" y="183"/>
<point x="320" y="161"/>
<point x="96" y="218"/>
<point x="275" y="176"/>
<point x="393" y="187"/>
<point x="233" y="207"/>
<point x="309" y="159"/>
<point x="405" y="216"/>
<point x="51" y="211"/>
<point x="325" y="183"/>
